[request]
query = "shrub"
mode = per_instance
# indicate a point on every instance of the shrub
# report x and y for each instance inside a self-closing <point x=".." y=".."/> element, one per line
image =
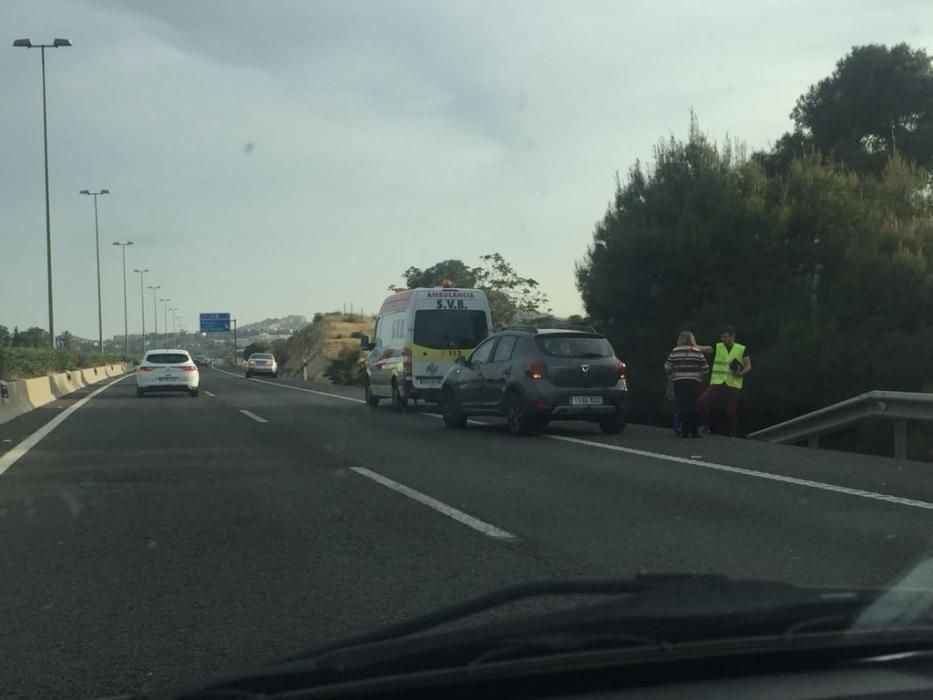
<point x="346" y="368"/>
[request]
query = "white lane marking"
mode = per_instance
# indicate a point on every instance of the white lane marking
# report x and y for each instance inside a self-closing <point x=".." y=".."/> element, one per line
<point x="295" y="388"/>
<point x="808" y="483"/>
<point x="209" y="393"/>
<point x="250" y="414"/>
<point x="15" y="453"/>
<point x="821" y="485"/>
<point x="443" y="508"/>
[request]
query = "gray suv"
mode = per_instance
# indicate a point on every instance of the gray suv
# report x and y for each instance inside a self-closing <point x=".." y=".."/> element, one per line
<point x="535" y="375"/>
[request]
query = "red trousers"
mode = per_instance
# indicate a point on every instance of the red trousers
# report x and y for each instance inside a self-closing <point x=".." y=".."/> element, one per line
<point x="716" y="395"/>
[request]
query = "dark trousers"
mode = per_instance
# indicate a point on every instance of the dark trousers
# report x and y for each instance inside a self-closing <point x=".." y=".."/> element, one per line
<point x="715" y="395"/>
<point x="686" y="393"/>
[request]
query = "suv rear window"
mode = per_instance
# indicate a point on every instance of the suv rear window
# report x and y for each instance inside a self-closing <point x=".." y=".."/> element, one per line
<point x="261" y="356"/>
<point x="166" y="358"/>
<point x="441" y="329"/>
<point x="574" y="346"/>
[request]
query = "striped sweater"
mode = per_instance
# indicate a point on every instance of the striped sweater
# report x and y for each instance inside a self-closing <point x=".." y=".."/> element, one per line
<point x="686" y="362"/>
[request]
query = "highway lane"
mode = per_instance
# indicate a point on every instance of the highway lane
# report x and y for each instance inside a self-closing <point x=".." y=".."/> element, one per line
<point x="148" y="539"/>
<point x="614" y="513"/>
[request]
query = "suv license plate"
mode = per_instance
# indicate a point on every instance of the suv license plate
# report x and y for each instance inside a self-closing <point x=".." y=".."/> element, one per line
<point x="586" y="400"/>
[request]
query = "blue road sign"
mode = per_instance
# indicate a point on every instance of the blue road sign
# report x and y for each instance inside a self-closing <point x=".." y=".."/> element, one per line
<point x="215" y="323"/>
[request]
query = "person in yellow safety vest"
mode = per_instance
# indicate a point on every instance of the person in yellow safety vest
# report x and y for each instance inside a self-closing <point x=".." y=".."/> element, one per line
<point x="731" y="362"/>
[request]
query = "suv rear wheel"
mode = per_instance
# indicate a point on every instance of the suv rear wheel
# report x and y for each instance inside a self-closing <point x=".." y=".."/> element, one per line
<point x="519" y="419"/>
<point x="454" y="417"/>
<point x="612" y="425"/>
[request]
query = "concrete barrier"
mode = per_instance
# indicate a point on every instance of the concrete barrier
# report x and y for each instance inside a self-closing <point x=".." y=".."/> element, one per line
<point x="23" y="395"/>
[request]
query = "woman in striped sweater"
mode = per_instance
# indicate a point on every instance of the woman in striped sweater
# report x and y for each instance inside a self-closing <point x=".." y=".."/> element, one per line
<point x="687" y="367"/>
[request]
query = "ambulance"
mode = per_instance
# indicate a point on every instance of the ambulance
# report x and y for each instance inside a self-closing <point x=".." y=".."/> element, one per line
<point x="418" y="336"/>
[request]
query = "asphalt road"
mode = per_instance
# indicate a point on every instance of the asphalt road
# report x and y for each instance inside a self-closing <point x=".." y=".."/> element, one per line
<point x="145" y="541"/>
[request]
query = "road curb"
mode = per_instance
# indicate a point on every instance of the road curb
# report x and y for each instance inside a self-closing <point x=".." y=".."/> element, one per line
<point x="24" y="395"/>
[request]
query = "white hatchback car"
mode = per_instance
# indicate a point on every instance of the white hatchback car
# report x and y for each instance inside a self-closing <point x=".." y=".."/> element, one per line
<point x="167" y="370"/>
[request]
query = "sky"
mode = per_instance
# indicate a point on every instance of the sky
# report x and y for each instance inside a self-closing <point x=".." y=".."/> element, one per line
<point x="282" y="157"/>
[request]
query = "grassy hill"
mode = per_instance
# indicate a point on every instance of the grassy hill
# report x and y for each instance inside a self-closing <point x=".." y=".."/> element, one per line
<point x="323" y="341"/>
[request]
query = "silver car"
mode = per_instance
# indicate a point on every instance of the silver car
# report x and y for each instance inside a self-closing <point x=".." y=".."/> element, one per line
<point x="262" y="363"/>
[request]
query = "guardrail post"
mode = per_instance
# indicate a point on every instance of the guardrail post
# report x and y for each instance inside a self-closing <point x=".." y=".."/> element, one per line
<point x="813" y="441"/>
<point x="900" y="439"/>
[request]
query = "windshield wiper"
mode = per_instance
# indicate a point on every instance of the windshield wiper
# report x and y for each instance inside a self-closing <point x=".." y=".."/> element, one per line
<point x="645" y="614"/>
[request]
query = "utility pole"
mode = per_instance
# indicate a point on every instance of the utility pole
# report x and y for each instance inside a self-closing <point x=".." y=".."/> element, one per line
<point x="56" y="44"/>
<point x="155" y="315"/>
<point x="126" y="322"/>
<point x="142" y="304"/>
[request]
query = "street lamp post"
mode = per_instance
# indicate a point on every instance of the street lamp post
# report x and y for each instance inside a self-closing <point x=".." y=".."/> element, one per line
<point x="155" y="315"/>
<point x="142" y="304"/>
<point x="56" y="44"/>
<point x="100" y="315"/>
<point x="165" y="315"/>
<point x="126" y="326"/>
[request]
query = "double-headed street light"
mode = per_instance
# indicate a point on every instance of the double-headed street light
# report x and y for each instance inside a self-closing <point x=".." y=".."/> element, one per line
<point x="142" y="304"/>
<point x="126" y="325"/>
<point x="56" y="44"/>
<point x="100" y="315"/>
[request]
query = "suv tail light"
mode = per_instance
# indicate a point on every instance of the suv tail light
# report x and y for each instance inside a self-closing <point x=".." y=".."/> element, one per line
<point x="536" y="369"/>
<point x="622" y="368"/>
<point x="187" y="368"/>
<point x="146" y="369"/>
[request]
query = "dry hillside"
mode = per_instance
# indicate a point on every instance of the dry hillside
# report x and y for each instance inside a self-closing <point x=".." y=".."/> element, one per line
<point x="323" y="340"/>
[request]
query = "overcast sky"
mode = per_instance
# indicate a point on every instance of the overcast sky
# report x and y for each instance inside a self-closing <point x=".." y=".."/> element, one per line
<point x="269" y="158"/>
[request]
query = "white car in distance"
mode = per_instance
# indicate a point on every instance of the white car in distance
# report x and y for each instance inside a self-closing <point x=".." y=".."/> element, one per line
<point x="262" y="363"/>
<point x="167" y="370"/>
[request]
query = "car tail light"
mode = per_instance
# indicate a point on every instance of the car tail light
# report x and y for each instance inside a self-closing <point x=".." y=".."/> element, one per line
<point x="406" y="363"/>
<point x="622" y="368"/>
<point x="187" y="368"/>
<point x="146" y="369"/>
<point x="536" y="369"/>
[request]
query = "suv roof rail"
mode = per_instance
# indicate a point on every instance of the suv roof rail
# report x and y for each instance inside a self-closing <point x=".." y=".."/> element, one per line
<point x="518" y="327"/>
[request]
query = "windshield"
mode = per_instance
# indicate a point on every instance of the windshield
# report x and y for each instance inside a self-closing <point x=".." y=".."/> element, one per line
<point x="574" y="346"/>
<point x="449" y="329"/>
<point x="696" y="236"/>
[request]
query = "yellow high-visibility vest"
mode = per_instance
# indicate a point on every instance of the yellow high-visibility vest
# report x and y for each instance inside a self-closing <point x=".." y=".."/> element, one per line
<point x="721" y="360"/>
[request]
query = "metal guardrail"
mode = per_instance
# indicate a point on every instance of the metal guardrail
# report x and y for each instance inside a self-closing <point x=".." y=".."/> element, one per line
<point x="898" y="406"/>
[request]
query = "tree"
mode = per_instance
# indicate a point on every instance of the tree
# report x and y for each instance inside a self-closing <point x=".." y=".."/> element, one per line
<point x="6" y="338"/>
<point x="509" y="293"/>
<point x="255" y="346"/>
<point x="877" y="102"/>
<point x="33" y="337"/>
<point x="824" y="271"/>
<point x="454" y="270"/>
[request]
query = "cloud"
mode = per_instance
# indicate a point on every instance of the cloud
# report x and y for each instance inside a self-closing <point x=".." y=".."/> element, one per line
<point x="283" y="157"/>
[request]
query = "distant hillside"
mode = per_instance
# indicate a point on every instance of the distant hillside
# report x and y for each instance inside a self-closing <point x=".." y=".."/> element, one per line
<point x="274" y="326"/>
